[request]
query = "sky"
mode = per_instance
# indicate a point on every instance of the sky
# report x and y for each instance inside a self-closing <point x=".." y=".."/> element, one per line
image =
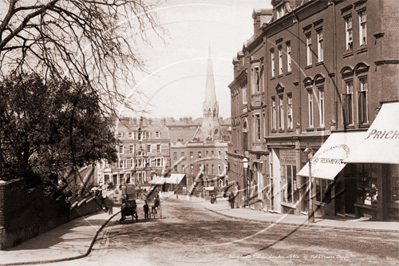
<point x="176" y="85"/>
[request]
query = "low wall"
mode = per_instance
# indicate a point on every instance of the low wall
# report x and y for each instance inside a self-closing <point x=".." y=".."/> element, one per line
<point x="25" y="214"/>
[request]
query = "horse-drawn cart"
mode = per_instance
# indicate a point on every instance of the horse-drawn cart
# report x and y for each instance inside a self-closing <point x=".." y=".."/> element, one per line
<point x="128" y="208"/>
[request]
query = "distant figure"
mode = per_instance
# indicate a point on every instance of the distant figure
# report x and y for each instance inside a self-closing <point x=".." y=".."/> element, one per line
<point x="146" y="209"/>
<point x="231" y="199"/>
<point x="156" y="204"/>
<point x="109" y="204"/>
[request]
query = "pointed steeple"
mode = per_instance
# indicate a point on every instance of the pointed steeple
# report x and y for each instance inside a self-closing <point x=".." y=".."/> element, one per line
<point x="210" y="124"/>
<point x="210" y="93"/>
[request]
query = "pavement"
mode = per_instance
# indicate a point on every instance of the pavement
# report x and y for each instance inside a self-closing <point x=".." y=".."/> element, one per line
<point x="76" y="238"/>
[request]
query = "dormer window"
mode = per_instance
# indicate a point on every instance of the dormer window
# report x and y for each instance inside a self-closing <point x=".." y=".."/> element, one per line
<point x="280" y="11"/>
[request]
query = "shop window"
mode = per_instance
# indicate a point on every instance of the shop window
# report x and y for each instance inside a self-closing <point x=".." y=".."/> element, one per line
<point x="289" y="189"/>
<point x="367" y="191"/>
<point x="395" y="182"/>
<point x="322" y="189"/>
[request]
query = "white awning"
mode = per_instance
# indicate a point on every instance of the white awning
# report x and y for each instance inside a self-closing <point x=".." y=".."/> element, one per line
<point x="175" y="179"/>
<point x="328" y="160"/>
<point x="157" y="181"/>
<point x="381" y="143"/>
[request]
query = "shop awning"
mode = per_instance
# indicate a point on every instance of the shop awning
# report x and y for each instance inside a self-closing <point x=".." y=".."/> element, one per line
<point x="157" y="181"/>
<point x="381" y="143"/>
<point x="329" y="159"/>
<point x="175" y="179"/>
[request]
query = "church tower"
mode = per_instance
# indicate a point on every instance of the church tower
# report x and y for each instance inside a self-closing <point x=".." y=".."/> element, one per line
<point x="210" y="124"/>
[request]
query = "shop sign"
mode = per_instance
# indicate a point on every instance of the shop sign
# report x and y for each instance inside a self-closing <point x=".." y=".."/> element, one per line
<point x="288" y="157"/>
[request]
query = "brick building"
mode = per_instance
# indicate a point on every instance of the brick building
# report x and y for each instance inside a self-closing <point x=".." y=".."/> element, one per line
<point x="314" y="75"/>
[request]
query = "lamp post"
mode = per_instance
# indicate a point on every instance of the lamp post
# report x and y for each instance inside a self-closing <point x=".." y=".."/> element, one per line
<point x="245" y="166"/>
<point x="309" y="152"/>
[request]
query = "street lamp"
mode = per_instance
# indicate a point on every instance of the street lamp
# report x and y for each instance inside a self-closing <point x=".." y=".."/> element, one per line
<point x="309" y="152"/>
<point x="245" y="166"/>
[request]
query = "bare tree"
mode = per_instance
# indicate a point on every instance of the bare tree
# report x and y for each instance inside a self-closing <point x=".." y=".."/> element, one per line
<point x="90" y="41"/>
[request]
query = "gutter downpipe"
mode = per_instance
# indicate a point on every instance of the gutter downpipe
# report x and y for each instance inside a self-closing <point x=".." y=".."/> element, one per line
<point x="299" y="72"/>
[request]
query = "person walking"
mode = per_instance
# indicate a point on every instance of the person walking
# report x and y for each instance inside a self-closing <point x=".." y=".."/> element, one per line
<point x="146" y="209"/>
<point x="231" y="199"/>
<point x="109" y="204"/>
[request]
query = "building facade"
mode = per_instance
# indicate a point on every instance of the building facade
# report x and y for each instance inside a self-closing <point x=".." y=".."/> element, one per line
<point x="203" y="144"/>
<point x="143" y="151"/>
<point x="311" y="71"/>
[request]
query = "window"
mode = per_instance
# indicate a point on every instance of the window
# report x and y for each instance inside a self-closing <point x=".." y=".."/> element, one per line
<point x="121" y="149"/>
<point x="219" y="170"/>
<point x="362" y="28"/>
<point x="149" y="148"/>
<point x="281" y="113"/>
<point x="207" y="154"/>
<point x="322" y="193"/>
<point x="191" y="168"/>
<point x="213" y="169"/>
<point x="321" y="108"/>
<point x="289" y="189"/>
<point x="199" y="155"/>
<point x="212" y="153"/>
<point x="158" y="148"/>
<point x="206" y="169"/>
<point x="320" y="45"/>
<point x="134" y="135"/>
<point x="182" y="168"/>
<point x="175" y="156"/>
<point x="219" y="154"/>
<point x="289" y="67"/>
<point x="244" y="95"/>
<point x="262" y="78"/>
<point x="130" y="134"/>
<point x="131" y="148"/>
<point x="255" y="80"/>
<point x="349" y="34"/>
<point x="182" y="154"/>
<point x="157" y="135"/>
<point x="272" y="62"/>
<point x="139" y="136"/>
<point x="264" y="124"/>
<point x="309" y="49"/>
<point x="347" y="102"/>
<point x="363" y="115"/>
<point x="290" y="120"/>
<point x="280" y="60"/>
<point x="191" y="155"/>
<point x="120" y="135"/>
<point x="158" y="162"/>
<point x="310" y="107"/>
<point x="367" y="190"/>
<point x="120" y="163"/>
<point x="148" y="162"/>
<point x="257" y="119"/>
<point x="280" y="11"/>
<point x="274" y="114"/>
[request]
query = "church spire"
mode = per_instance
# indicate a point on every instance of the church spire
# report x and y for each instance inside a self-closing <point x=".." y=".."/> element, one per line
<point x="210" y="123"/>
<point x="210" y="93"/>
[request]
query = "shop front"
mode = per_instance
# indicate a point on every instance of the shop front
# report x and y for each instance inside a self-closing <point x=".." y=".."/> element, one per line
<point x="375" y="165"/>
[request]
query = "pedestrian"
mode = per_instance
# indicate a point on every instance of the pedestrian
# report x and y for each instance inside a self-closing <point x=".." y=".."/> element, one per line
<point x="231" y="199"/>
<point x="109" y="204"/>
<point x="146" y="209"/>
<point x="156" y="204"/>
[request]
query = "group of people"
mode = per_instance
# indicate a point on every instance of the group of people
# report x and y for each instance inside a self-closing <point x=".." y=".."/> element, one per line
<point x="153" y="207"/>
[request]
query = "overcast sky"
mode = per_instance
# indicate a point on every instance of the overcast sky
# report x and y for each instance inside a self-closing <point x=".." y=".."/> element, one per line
<point x="176" y="87"/>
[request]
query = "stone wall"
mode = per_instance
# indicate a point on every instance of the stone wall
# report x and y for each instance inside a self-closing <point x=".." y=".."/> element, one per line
<point x="25" y="214"/>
